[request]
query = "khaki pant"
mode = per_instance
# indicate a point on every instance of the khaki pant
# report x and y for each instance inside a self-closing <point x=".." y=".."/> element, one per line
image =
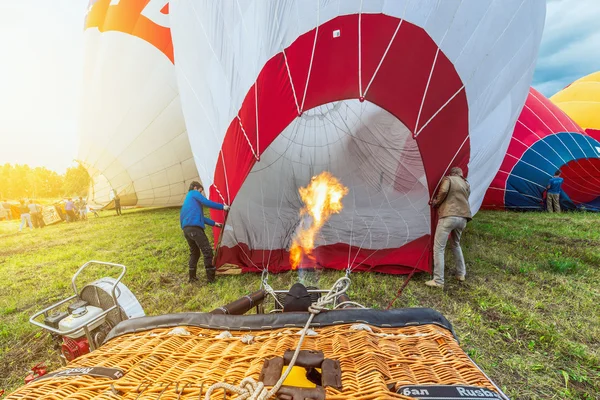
<point x="553" y="202"/>
<point x="448" y="227"/>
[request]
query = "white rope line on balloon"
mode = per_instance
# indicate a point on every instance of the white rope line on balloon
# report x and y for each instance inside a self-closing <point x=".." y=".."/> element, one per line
<point x="572" y="184"/>
<point x="536" y="152"/>
<point x="567" y="130"/>
<point x="218" y="192"/>
<point x="246" y="136"/>
<point x="531" y="148"/>
<point x="448" y="167"/>
<point x="525" y="179"/>
<point x="360" y="92"/>
<point x="287" y="67"/>
<point x="385" y="52"/>
<point x="265" y="222"/>
<point x="530" y="165"/>
<point x="515" y="191"/>
<point x="543" y="141"/>
<point x="439" y="110"/>
<point x="550" y="130"/>
<point x="312" y="55"/>
<point x="551" y="133"/>
<point x="468" y="80"/>
<point x="280" y="192"/>
<point x="350" y="267"/>
<point x="368" y="230"/>
<point x="225" y="175"/>
<point x="437" y="52"/>
<point x="406" y="240"/>
<point x="561" y="124"/>
<point x="405" y="195"/>
<point x="257" y="131"/>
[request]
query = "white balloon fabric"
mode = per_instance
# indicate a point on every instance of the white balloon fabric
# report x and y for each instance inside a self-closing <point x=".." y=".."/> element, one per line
<point x="385" y="95"/>
<point x="133" y="135"/>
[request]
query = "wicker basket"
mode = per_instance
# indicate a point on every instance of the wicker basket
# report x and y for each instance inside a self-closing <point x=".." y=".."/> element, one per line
<point x="163" y="363"/>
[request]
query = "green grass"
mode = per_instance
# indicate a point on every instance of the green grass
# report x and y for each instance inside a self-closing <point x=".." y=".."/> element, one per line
<point x="528" y="313"/>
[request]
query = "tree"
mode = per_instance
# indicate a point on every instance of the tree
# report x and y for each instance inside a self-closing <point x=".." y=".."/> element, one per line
<point x="76" y="181"/>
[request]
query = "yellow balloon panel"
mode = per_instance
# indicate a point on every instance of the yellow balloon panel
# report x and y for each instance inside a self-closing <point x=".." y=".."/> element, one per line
<point x="581" y="101"/>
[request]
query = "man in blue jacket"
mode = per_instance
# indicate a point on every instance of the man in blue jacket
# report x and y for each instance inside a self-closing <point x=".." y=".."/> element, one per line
<point x="553" y="195"/>
<point x="192" y="222"/>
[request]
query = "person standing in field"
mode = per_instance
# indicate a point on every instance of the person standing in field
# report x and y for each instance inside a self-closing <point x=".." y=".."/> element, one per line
<point x="69" y="207"/>
<point x="553" y="195"/>
<point x="193" y="221"/>
<point x="454" y="211"/>
<point x="82" y="206"/>
<point x="117" y="200"/>
<point x="35" y="210"/>
<point x="25" y="216"/>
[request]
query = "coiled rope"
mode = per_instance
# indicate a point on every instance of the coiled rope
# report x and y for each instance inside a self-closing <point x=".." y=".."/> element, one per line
<point x="249" y="389"/>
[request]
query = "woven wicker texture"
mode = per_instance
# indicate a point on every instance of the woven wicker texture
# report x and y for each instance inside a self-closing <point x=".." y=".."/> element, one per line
<point x="162" y="365"/>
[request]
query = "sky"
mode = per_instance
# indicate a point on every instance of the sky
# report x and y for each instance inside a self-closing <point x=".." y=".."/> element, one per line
<point x="41" y="71"/>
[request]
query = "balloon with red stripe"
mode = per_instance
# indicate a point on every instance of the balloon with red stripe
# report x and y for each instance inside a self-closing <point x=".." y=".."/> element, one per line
<point x="546" y="140"/>
<point x="385" y="95"/>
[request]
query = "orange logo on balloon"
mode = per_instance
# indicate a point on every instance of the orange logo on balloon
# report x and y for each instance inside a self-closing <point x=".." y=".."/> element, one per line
<point x="146" y="19"/>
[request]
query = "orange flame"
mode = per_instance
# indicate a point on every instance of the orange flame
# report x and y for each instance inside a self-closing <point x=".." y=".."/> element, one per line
<point x="322" y="197"/>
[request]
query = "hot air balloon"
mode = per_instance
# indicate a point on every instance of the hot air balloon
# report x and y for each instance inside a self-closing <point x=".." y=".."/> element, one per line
<point x="133" y="139"/>
<point x="386" y="96"/>
<point x="581" y="101"/>
<point x="546" y="140"/>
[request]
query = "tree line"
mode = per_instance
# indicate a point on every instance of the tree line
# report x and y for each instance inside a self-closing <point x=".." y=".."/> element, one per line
<point x="21" y="181"/>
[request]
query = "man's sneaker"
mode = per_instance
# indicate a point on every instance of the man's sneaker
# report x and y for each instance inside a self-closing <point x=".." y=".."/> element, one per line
<point x="460" y="278"/>
<point x="433" y="283"/>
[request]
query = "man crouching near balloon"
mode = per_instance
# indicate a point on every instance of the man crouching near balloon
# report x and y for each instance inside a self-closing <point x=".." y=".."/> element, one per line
<point x="193" y="221"/>
<point x="452" y="203"/>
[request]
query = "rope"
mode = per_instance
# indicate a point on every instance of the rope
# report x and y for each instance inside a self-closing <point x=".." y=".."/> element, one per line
<point x="249" y="389"/>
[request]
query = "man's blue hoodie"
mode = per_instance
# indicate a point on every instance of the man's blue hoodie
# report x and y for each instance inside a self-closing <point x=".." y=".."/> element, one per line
<point x="192" y="213"/>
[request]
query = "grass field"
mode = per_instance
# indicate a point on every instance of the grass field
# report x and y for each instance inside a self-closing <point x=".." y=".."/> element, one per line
<point x="528" y="313"/>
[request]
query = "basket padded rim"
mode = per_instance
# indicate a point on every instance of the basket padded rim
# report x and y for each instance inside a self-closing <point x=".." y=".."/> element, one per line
<point x="394" y="318"/>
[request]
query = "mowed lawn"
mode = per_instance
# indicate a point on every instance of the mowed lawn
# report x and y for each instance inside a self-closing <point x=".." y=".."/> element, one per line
<point x="528" y="313"/>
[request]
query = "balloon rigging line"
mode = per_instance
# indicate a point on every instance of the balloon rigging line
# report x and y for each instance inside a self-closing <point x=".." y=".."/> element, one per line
<point x="473" y="73"/>
<point x="447" y="168"/>
<point x="437" y="52"/>
<point x="541" y="139"/>
<point x="312" y="56"/>
<point x="360" y="92"/>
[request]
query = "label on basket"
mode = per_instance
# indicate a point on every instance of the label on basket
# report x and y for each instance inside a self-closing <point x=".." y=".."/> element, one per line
<point x="111" y="373"/>
<point x="447" y="392"/>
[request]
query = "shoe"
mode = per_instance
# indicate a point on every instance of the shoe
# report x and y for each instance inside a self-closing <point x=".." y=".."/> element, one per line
<point x="460" y="278"/>
<point x="433" y="283"/>
<point x="210" y="274"/>
<point x="193" y="277"/>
